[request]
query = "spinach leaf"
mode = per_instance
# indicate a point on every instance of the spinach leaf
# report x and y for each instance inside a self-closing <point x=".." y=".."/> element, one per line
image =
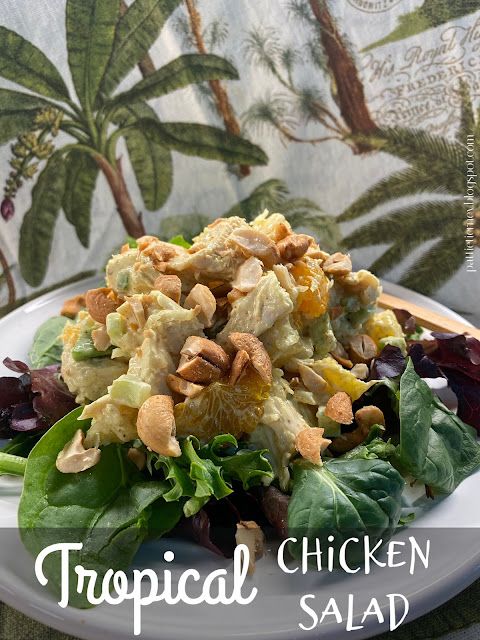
<point x="107" y="507"/>
<point x="436" y="447"/>
<point x="344" y="498"/>
<point x="47" y="345"/>
<point x="21" y="444"/>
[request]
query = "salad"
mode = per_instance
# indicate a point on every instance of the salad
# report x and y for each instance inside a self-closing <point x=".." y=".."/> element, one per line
<point x="243" y="384"/>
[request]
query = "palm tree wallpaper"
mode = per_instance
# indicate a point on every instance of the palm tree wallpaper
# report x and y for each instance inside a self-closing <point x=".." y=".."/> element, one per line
<point x="156" y="116"/>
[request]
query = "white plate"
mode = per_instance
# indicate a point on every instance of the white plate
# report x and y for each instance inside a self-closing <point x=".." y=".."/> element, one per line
<point x="275" y="614"/>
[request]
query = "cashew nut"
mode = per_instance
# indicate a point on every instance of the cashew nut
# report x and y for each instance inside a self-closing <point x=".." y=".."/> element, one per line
<point x="183" y="387"/>
<point x="100" y="302"/>
<point x="202" y="361"/>
<point x="339" y="408"/>
<point x="72" y="306"/>
<point x="239" y="365"/>
<point x="258" y="354"/>
<point x="248" y="275"/>
<point x="101" y="339"/>
<point x="368" y="416"/>
<point x="250" y="534"/>
<point x="310" y="444"/>
<point x="312" y="380"/>
<point x="362" y="348"/>
<point x="256" y="243"/>
<point x="74" y="458"/>
<point x="338" y="264"/>
<point x="171" y="286"/>
<point x="156" y="426"/>
<point x="293" y="247"/>
<point x="201" y="296"/>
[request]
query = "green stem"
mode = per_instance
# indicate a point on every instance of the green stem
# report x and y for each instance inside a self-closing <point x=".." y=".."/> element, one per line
<point x="12" y="465"/>
<point x="111" y="144"/>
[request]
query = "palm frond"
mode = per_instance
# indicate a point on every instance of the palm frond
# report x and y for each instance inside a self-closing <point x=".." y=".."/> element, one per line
<point x="274" y="111"/>
<point x="424" y="151"/>
<point x="436" y="266"/>
<point x="402" y="224"/>
<point x="299" y="9"/>
<point x="216" y="34"/>
<point x="262" y="47"/>
<point x="299" y="204"/>
<point x="289" y="57"/>
<point x="316" y="53"/>
<point x="467" y="119"/>
<point x="324" y="227"/>
<point x="309" y="99"/>
<point x="398" y="251"/>
<point x="268" y="195"/>
<point x="407" y="182"/>
<point x="181" y="26"/>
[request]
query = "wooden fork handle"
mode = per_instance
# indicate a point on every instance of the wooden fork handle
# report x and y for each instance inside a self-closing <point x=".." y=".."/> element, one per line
<point x="426" y="318"/>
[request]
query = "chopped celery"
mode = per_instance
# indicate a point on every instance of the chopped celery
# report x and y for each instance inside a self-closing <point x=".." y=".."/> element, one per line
<point x="123" y="279"/>
<point x="85" y="349"/>
<point x="116" y="327"/>
<point x="130" y="391"/>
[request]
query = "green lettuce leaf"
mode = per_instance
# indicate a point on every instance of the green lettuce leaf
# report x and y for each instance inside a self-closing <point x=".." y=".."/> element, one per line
<point x="47" y="345"/>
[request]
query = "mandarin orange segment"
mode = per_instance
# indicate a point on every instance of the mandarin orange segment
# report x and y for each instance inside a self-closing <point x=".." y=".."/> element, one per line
<point x="314" y="301"/>
<point x="223" y="408"/>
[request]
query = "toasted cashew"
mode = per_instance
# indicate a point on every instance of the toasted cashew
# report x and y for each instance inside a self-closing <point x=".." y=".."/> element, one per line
<point x="339" y="408"/>
<point x="293" y="247"/>
<point x="72" y="306"/>
<point x="171" y="286"/>
<point x="234" y="295"/>
<point x="74" y="458"/>
<point x="310" y="444"/>
<point x="156" y="426"/>
<point x="312" y="380"/>
<point x="239" y="365"/>
<point x="360" y="371"/>
<point x="138" y="458"/>
<point x="100" y="302"/>
<point x="362" y="349"/>
<point x="368" y="416"/>
<point x="365" y="418"/>
<point x="248" y="275"/>
<point x="201" y="296"/>
<point x="258" y="354"/>
<point x="256" y="243"/>
<point x="202" y="360"/>
<point x="145" y="241"/>
<point x="183" y="387"/>
<point x="338" y="264"/>
<point x="250" y="534"/>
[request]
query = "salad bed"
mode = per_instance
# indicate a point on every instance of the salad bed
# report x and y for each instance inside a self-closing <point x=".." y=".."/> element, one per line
<point x="309" y="427"/>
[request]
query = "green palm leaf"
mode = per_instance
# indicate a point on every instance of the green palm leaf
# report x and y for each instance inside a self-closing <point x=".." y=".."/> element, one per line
<point x="325" y="228"/>
<point x="424" y="151"/>
<point x="407" y="182"/>
<point x="406" y="222"/>
<point x="38" y="224"/>
<point x="187" y="225"/>
<point x="203" y="141"/>
<point x="467" y="119"/>
<point x="151" y="162"/>
<point x="23" y="63"/>
<point x="268" y="195"/>
<point x="400" y="250"/>
<point x="17" y="112"/>
<point x="81" y="177"/>
<point x="136" y="32"/>
<point x="90" y="33"/>
<point x="177" y="74"/>
<point x="437" y="265"/>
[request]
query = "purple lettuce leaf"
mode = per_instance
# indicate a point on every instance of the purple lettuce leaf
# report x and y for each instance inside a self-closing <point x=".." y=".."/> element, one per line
<point x="33" y="401"/>
<point x="406" y="321"/>
<point x="389" y="364"/>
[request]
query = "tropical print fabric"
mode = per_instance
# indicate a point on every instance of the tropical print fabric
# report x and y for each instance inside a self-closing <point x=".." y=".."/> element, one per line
<point x="357" y="119"/>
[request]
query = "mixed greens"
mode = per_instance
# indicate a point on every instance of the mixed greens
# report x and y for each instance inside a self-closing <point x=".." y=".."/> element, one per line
<point x="246" y="381"/>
